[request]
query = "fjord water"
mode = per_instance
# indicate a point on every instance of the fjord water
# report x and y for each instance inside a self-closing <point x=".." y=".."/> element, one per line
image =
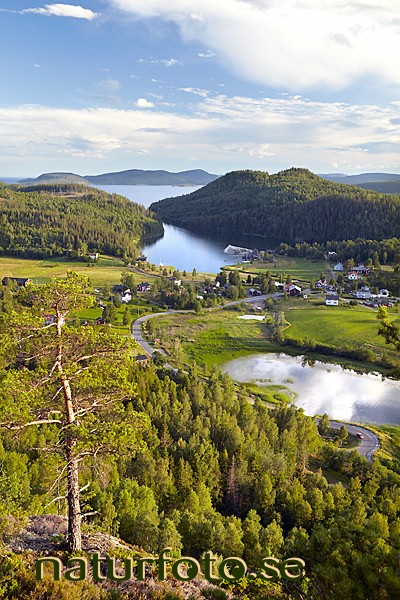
<point x="323" y="388"/>
<point x="182" y="248"/>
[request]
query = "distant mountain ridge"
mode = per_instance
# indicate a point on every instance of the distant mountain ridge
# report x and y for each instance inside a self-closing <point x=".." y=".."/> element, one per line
<point x="386" y="183"/>
<point x="129" y="177"/>
<point x="291" y="206"/>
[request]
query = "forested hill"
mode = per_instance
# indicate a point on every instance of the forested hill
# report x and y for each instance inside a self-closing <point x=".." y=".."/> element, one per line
<point x="130" y="177"/>
<point x="293" y="205"/>
<point x="45" y="221"/>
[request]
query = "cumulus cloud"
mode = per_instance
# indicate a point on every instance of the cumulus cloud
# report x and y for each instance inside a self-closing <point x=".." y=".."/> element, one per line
<point x="143" y="103"/>
<point x="223" y="133"/>
<point x="63" y="10"/>
<point x="287" y="43"/>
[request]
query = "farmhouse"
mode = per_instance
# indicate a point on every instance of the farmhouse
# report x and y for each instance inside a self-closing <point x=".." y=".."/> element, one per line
<point x="144" y="286"/>
<point x="291" y="289"/>
<point x="141" y="359"/>
<point x="361" y="270"/>
<point x="338" y="267"/>
<point x="332" y="300"/>
<point x="94" y="256"/>
<point x="364" y="293"/>
<point x="352" y="276"/>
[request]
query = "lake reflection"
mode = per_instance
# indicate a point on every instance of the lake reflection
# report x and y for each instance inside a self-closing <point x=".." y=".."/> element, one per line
<point x="323" y="388"/>
<point x="179" y="247"/>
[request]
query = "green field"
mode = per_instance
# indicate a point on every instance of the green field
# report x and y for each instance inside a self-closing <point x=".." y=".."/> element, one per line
<point x="107" y="271"/>
<point x="300" y="268"/>
<point x="335" y="325"/>
<point x="212" y="338"/>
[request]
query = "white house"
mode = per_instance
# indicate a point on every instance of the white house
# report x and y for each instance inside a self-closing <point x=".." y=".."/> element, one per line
<point x="384" y="293"/>
<point x="332" y="300"/>
<point x="364" y="293"/>
<point x="338" y="267"/>
<point x="352" y="276"/>
<point x="94" y="256"/>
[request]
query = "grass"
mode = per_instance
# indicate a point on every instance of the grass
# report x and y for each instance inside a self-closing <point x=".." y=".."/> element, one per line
<point x="301" y="269"/>
<point x="212" y="338"/>
<point x="356" y="326"/>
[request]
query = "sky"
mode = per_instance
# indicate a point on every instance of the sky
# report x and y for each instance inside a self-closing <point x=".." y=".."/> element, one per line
<point x="107" y="85"/>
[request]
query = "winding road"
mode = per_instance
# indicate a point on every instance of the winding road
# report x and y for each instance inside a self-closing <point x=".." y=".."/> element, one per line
<point x="368" y="445"/>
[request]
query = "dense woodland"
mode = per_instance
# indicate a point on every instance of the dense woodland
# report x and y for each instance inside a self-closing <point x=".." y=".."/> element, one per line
<point x="209" y="470"/>
<point x="293" y="205"/>
<point x="71" y="220"/>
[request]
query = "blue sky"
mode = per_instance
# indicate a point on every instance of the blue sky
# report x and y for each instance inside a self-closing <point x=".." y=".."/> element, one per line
<point x="108" y="85"/>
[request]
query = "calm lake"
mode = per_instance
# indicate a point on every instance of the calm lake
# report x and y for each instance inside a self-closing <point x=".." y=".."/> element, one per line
<point x="323" y="388"/>
<point x="181" y="248"/>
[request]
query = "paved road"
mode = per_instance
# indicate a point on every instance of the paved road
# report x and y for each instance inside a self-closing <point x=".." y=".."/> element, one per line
<point x="368" y="446"/>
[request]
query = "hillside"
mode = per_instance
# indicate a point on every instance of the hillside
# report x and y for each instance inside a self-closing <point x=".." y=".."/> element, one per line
<point x="46" y="221"/>
<point x="361" y="178"/>
<point x="130" y="177"/>
<point x="384" y="187"/>
<point x="49" y="178"/>
<point x="293" y="205"/>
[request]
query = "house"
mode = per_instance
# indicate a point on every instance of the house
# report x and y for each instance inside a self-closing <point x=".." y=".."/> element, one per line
<point x="126" y="297"/>
<point x="119" y="288"/>
<point x="332" y="300"/>
<point x="94" y="256"/>
<point x="144" y="286"/>
<point x="142" y="258"/>
<point x="332" y="254"/>
<point x="175" y="281"/>
<point x="291" y="289"/>
<point x="20" y="281"/>
<point x="352" y="276"/>
<point x="338" y="267"/>
<point x="361" y="270"/>
<point x="384" y="293"/>
<point x="364" y="293"/>
<point x="141" y="359"/>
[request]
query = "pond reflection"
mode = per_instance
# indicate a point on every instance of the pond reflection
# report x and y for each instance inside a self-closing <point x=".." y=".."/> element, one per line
<point x="323" y="388"/>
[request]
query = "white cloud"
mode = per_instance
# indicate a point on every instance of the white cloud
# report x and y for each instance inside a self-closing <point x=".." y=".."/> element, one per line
<point x="143" y="103"/>
<point x="196" y="91"/>
<point x="223" y="133"/>
<point x="170" y="62"/>
<point x="208" y="54"/>
<point x="287" y="43"/>
<point x="63" y="10"/>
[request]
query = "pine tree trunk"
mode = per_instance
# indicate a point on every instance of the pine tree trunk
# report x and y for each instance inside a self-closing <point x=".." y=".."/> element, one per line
<point x="74" y="509"/>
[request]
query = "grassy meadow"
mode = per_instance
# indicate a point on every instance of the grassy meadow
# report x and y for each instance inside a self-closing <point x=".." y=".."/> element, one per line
<point x="301" y="269"/>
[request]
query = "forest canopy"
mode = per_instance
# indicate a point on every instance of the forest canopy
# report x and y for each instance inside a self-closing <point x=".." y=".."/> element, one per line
<point x="49" y="221"/>
<point x="290" y="206"/>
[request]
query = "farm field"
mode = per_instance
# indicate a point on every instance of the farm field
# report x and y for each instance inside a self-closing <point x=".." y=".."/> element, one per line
<point x="299" y="268"/>
<point x="337" y="325"/>
<point x="107" y="271"/>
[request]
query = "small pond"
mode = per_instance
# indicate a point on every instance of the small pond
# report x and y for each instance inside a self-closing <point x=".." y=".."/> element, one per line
<point x="323" y="388"/>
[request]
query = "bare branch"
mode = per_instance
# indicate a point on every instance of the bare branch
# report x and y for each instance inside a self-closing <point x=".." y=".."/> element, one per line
<point x="38" y="422"/>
